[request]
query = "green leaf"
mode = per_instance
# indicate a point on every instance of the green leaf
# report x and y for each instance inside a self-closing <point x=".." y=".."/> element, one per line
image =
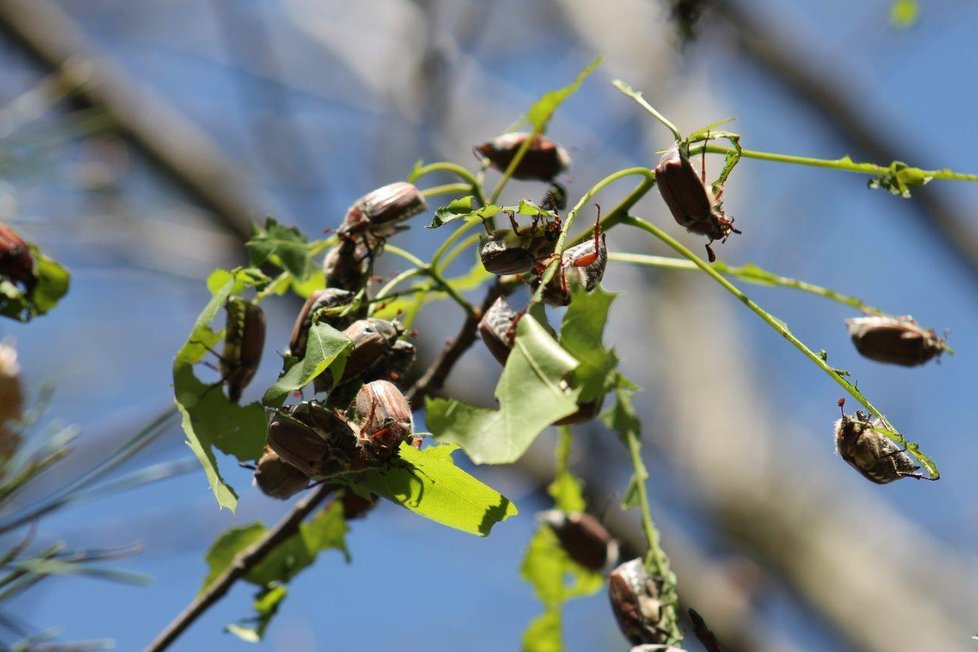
<point x="555" y="578"/>
<point x="581" y="335"/>
<point x="532" y="393"/>
<point x="623" y="420"/>
<point x="900" y="178"/>
<point x="284" y="246"/>
<point x="543" y="109"/>
<point x="326" y="348"/>
<point x="209" y="419"/>
<point x="428" y="483"/>
<point x="711" y="131"/>
<point x="266" y="605"/>
<point x="462" y="208"/>
<point x="543" y="633"/>
<point x="904" y="13"/>
<point x="325" y="531"/>
<point x="567" y="493"/>
<point x="52" y="282"/>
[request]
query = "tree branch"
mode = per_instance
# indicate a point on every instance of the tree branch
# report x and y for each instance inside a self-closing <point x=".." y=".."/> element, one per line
<point x="242" y="564"/>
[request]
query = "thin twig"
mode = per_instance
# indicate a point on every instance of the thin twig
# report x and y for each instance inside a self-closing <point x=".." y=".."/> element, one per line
<point x="242" y="564"/>
<point x="433" y="379"/>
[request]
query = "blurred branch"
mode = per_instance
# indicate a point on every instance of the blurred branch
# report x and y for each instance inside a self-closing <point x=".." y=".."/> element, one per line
<point x="183" y="150"/>
<point x="787" y="62"/>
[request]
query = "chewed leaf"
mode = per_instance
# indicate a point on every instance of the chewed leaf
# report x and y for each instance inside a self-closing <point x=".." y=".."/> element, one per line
<point x="209" y="419"/>
<point x="282" y="245"/>
<point x="581" y="335"/>
<point x="462" y="208"/>
<point x="533" y="392"/>
<point x="428" y="483"/>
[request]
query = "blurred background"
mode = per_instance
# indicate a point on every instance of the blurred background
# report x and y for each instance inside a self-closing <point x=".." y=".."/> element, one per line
<point x="138" y="142"/>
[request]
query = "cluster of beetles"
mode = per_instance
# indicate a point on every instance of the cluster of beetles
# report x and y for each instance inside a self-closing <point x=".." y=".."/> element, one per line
<point x="364" y="417"/>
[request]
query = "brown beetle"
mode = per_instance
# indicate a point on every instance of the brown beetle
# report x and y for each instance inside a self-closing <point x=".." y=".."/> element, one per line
<point x="519" y="249"/>
<point x="895" y="340"/>
<point x="636" y="603"/>
<point x="395" y="362"/>
<point x="16" y="262"/>
<point x="583" y="264"/>
<point x="318" y="300"/>
<point x="347" y="265"/>
<point x="378" y="212"/>
<point x="873" y="454"/>
<point x="277" y="478"/>
<point x="497" y="328"/>
<point x="691" y="202"/>
<point x="583" y="537"/>
<point x="385" y="420"/>
<point x="312" y="439"/>
<point x="244" y="340"/>
<point x="356" y="506"/>
<point x="543" y="160"/>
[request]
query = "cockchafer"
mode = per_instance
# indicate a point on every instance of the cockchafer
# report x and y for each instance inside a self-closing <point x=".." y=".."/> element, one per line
<point x="895" y="340"/>
<point x="519" y="249"/>
<point x="16" y="262"/>
<point x="356" y="506"/>
<point x="347" y="266"/>
<point x="372" y="339"/>
<point x="636" y="603"/>
<point x="313" y="439"/>
<point x="384" y="420"/>
<point x="395" y="362"/>
<point x="583" y="537"/>
<point x="379" y="212"/>
<point x="691" y="202"/>
<point x="277" y="478"/>
<point x="583" y="264"/>
<point x="244" y="341"/>
<point x="319" y="300"/>
<point x="543" y="160"/>
<point x="497" y="328"/>
<point x="877" y="458"/>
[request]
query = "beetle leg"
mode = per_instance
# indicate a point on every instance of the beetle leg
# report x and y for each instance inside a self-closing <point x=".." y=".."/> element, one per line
<point x="711" y="256"/>
<point x="512" y="220"/>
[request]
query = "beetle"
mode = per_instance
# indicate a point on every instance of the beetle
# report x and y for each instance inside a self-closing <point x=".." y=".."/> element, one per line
<point x="693" y="205"/>
<point x="313" y="439"/>
<point x="636" y="603"/>
<point x="583" y="538"/>
<point x="869" y="451"/>
<point x="384" y="420"/>
<point x="16" y="262"/>
<point x="372" y="340"/>
<point x="277" y="478"/>
<point x="587" y="261"/>
<point x="319" y="300"/>
<point x="543" y="160"/>
<point x="497" y="328"/>
<point x="516" y="250"/>
<point x="395" y="362"/>
<point x="377" y="213"/>
<point x="347" y="265"/>
<point x="895" y="340"/>
<point x="244" y="341"/>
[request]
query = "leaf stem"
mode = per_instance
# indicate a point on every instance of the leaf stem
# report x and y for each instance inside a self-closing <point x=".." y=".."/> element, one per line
<point x="749" y="273"/>
<point x="655" y="558"/>
<point x="453" y="168"/>
<point x="781" y="328"/>
<point x="845" y="163"/>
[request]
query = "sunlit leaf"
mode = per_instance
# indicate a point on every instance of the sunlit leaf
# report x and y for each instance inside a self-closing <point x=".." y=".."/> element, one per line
<point x="428" y="483"/>
<point x="52" y="282"/>
<point x="326" y="347"/>
<point x="533" y="393"/>
<point x="543" y="109"/>
<point x="282" y="245"/>
<point x="581" y="334"/>
<point x="209" y="419"/>
<point x="462" y="208"/>
<point x="624" y="421"/>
